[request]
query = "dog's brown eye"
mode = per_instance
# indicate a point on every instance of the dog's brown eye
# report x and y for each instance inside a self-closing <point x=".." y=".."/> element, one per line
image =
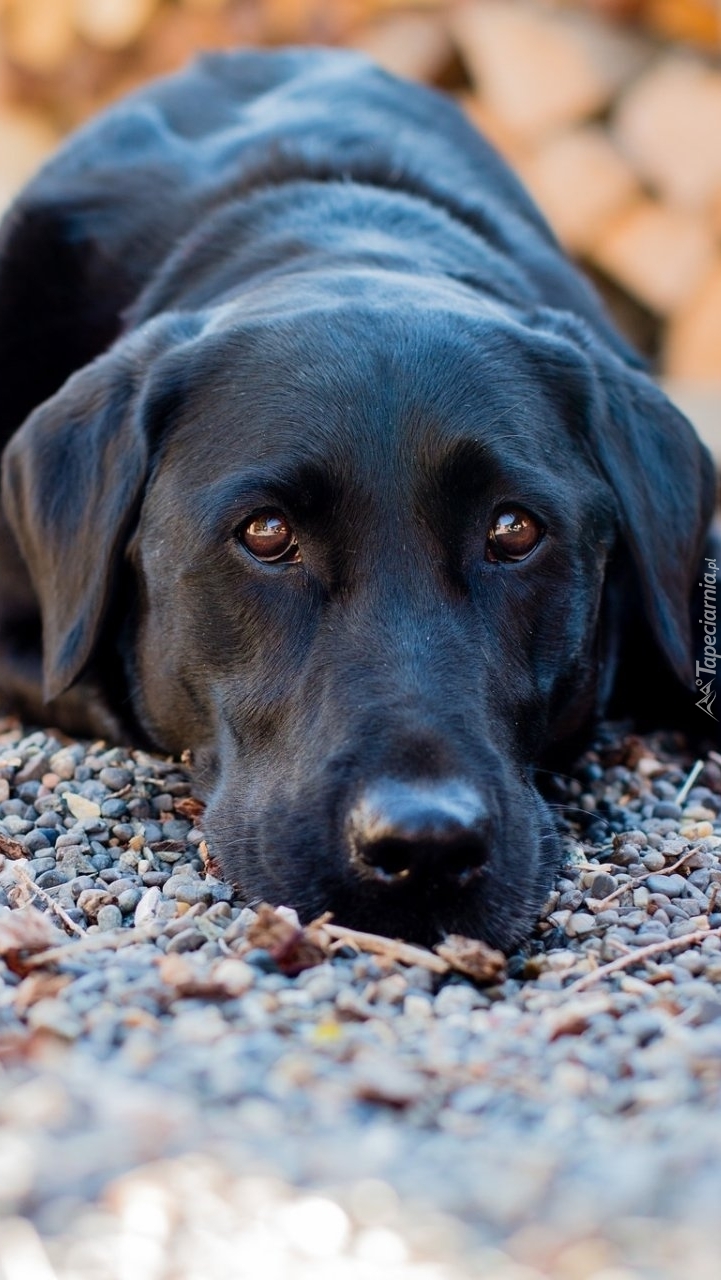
<point x="269" y="537"/>
<point x="513" y="535"/>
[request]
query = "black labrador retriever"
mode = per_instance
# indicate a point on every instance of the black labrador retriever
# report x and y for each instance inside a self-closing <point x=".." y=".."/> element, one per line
<point x="323" y="462"/>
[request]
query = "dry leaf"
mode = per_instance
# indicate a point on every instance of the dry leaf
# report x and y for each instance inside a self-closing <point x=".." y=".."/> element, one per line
<point x="167" y="846"/>
<point x="23" y="932"/>
<point x="211" y="863"/>
<point x="38" y="986"/>
<point x="472" y="957"/>
<point x="190" y="808"/>
<point x="12" y="848"/>
<point x="223" y="980"/>
<point x="575" y="1016"/>
<point x="289" y="945"/>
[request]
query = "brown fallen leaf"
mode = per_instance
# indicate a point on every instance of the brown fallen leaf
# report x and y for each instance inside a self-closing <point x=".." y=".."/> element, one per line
<point x="23" y="932"/>
<point x="575" y="1016"/>
<point x="190" y="808"/>
<point x="177" y="972"/>
<point x="292" y="947"/>
<point x="38" y="986"/>
<point x="472" y="957"/>
<point x="167" y="846"/>
<point x="12" y="848"/>
<point x="211" y="864"/>
<point x="223" y="980"/>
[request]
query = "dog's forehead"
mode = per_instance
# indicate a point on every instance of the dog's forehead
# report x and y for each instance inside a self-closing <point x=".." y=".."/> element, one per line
<point x="354" y="385"/>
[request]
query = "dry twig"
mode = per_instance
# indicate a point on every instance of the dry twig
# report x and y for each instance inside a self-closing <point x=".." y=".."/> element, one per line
<point x="54" y="906"/>
<point x="637" y="881"/>
<point x="640" y="954"/>
<point x="392" y="948"/>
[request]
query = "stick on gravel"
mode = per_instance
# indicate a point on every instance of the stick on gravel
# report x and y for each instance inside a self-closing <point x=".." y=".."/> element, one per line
<point x="639" y="955"/>
<point x="394" y="949"/>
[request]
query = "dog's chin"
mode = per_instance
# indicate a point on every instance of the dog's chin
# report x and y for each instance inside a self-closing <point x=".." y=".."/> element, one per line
<point x="430" y="914"/>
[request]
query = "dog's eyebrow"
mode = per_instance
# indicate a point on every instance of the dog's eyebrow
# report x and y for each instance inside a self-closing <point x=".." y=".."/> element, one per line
<point x="303" y="491"/>
<point x="472" y="469"/>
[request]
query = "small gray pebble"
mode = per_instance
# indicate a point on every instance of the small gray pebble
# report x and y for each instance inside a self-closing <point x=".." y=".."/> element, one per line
<point x="667" y="809"/>
<point x="39" y="865"/>
<point x="113" y="809"/>
<point x="15" y="826"/>
<point x="13" y="807"/>
<point x="625" y="854"/>
<point x="602" y="885"/>
<point x="673" y="886"/>
<point x="122" y="831"/>
<point x="114" y="778"/>
<point x="49" y="818"/>
<point x="653" y="860"/>
<point x="190" y="891"/>
<point x="109" y="917"/>
<point x="152" y="832"/>
<point x="80" y="883"/>
<point x="608" y="917"/>
<point x="32" y="770"/>
<point x="53" y="877"/>
<point x="261" y="959"/>
<point x="151" y="878"/>
<point x="35" y="840"/>
<point x="72" y="839"/>
<point x="73" y="859"/>
<point x="222" y="893"/>
<point x="580" y="923"/>
<point x="128" y="900"/>
<point x="570" y="901"/>
<point x="708" y="1011"/>
<point x="681" y="927"/>
<point x="175" y="829"/>
<point x="188" y="940"/>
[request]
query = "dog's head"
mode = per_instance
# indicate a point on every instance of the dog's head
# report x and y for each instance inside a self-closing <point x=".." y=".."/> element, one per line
<point x="369" y="534"/>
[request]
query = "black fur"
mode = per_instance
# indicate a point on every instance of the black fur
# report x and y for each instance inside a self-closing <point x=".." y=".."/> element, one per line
<point x="290" y="281"/>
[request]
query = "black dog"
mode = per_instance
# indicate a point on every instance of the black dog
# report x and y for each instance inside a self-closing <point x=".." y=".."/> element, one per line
<point x="336" y="473"/>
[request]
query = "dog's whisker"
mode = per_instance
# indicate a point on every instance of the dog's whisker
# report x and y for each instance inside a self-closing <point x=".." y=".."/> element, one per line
<point x="575" y="808"/>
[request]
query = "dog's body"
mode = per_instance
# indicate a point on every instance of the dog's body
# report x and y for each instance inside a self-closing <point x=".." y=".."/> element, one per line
<point x="353" y="490"/>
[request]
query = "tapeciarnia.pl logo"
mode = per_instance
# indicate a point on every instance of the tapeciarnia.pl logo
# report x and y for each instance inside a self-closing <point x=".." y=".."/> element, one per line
<point x="710" y="656"/>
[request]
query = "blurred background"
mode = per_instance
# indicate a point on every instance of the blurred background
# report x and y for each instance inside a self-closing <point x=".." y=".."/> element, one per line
<point x="610" y="110"/>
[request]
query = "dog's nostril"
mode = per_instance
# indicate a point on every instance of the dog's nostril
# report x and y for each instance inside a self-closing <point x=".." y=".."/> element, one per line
<point x="396" y="859"/>
<point x="393" y="858"/>
<point x="400" y="829"/>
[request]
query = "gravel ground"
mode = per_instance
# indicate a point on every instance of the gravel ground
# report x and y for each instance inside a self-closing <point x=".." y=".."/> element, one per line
<point x="179" y="1102"/>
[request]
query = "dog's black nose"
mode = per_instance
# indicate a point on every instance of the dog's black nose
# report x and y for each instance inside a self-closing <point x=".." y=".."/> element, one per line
<point x="439" y="829"/>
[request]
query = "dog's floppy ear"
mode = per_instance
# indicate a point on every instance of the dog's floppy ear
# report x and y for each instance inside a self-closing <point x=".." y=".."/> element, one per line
<point x="73" y="475"/>
<point x="661" y="475"/>
<point x="664" y="482"/>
